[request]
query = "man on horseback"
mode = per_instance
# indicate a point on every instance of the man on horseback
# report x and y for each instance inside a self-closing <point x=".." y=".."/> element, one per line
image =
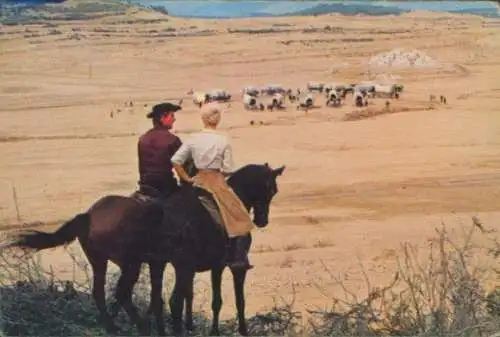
<point x="211" y="154"/>
<point x="155" y="150"/>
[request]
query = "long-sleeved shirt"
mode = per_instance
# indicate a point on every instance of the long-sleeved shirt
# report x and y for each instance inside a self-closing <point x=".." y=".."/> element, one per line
<point x="155" y="149"/>
<point x="208" y="149"/>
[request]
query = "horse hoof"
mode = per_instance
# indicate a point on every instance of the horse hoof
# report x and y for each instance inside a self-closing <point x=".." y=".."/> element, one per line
<point x="115" y="309"/>
<point x="189" y="327"/>
<point x="177" y="331"/>
<point x="214" y="332"/>
<point x="144" y="328"/>
<point x="143" y="331"/>
<point x="112" y="329"/>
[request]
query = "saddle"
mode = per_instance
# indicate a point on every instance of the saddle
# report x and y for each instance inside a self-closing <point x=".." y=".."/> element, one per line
<point x="146" y="194"/>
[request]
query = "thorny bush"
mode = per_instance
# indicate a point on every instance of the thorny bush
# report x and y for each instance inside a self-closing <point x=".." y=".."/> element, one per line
<point x="441" y="296"/>
<point x="444" y="295"/>
<point x="34" y="302"/>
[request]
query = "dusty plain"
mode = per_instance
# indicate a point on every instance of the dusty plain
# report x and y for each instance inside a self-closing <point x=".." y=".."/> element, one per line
<point x="352" y="190"/>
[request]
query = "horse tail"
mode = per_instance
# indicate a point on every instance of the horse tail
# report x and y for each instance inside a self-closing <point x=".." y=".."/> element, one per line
<point x="66" y="234"/>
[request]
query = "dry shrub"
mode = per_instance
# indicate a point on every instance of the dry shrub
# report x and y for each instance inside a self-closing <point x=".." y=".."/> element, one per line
<point x="34" y="302"/>
<point x="281" y="320"/>
<point x="445" y="296"/>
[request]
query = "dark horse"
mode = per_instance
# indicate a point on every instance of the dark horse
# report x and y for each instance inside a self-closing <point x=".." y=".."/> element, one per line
<point x="129" y="232"/>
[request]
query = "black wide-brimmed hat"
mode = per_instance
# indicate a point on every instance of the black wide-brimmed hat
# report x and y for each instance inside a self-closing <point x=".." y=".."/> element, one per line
<point x="163" y="108"/>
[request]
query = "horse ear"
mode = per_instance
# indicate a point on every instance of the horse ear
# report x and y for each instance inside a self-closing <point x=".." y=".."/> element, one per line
<point x="266" y="165"/>
<point x="279" y="171"/>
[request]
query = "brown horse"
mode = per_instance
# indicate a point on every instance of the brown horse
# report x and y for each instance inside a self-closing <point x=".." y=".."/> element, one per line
<point x="179" y="230"/>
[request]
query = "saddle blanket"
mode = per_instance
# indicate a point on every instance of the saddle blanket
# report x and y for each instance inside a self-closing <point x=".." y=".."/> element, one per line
<point x="235" y="217"/>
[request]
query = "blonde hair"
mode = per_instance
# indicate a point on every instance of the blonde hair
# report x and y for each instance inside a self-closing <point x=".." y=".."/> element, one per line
<point x="211" y="113"/>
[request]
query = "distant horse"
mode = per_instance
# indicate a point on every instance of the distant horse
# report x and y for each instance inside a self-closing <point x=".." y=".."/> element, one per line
<point x="179" y="230"/>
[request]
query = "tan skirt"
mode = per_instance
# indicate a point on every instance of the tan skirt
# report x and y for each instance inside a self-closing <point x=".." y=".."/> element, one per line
<point x="236" y="219"/>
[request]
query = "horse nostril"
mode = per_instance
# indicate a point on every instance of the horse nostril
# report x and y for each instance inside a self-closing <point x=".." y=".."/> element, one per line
<point x="262" y="223"/>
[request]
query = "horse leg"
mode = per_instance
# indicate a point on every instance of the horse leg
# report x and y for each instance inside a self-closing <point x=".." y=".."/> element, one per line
<point x="189" y="306"/>
<point x="183" y="279"/>
<point x="117" y="303"/>
<point x="239" y="276"/>
<point x="216" y="299"/>
<point x="99" y="267"/>
<point x="126" y="282"/>
<point x="156" y="271"/>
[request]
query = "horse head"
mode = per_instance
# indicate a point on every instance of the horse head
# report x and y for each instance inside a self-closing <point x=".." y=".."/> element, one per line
<point x="256" y="186"/>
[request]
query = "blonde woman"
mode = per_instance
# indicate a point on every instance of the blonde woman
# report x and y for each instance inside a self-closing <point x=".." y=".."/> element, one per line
<point x="211" y="154"/>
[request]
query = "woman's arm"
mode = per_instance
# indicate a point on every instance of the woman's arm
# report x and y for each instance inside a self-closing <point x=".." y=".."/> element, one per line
<point x="227" y="161"/>
<point x="179" y="169"/>
<point x="179" y="158"/>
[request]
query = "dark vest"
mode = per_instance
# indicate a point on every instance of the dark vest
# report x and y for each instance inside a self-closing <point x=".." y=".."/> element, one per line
<point x="155" y="149"/>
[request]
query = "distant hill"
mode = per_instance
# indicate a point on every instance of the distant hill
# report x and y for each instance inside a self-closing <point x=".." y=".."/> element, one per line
<point x="35" y="11"/>
<point x="30" y="2"/>
<point x="349" y="9"/>
<point x="486" y="12"/>
<point x="375" y="10"/>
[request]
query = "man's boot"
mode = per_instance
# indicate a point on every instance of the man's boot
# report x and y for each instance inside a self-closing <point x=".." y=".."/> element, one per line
<point x="240" y="254"/>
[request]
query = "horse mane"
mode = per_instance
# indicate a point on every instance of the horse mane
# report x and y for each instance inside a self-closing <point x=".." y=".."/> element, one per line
<point x="242" y="170"/>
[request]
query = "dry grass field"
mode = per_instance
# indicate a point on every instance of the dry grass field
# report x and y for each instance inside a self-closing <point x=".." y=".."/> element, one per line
<point x="353" y="190"/>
